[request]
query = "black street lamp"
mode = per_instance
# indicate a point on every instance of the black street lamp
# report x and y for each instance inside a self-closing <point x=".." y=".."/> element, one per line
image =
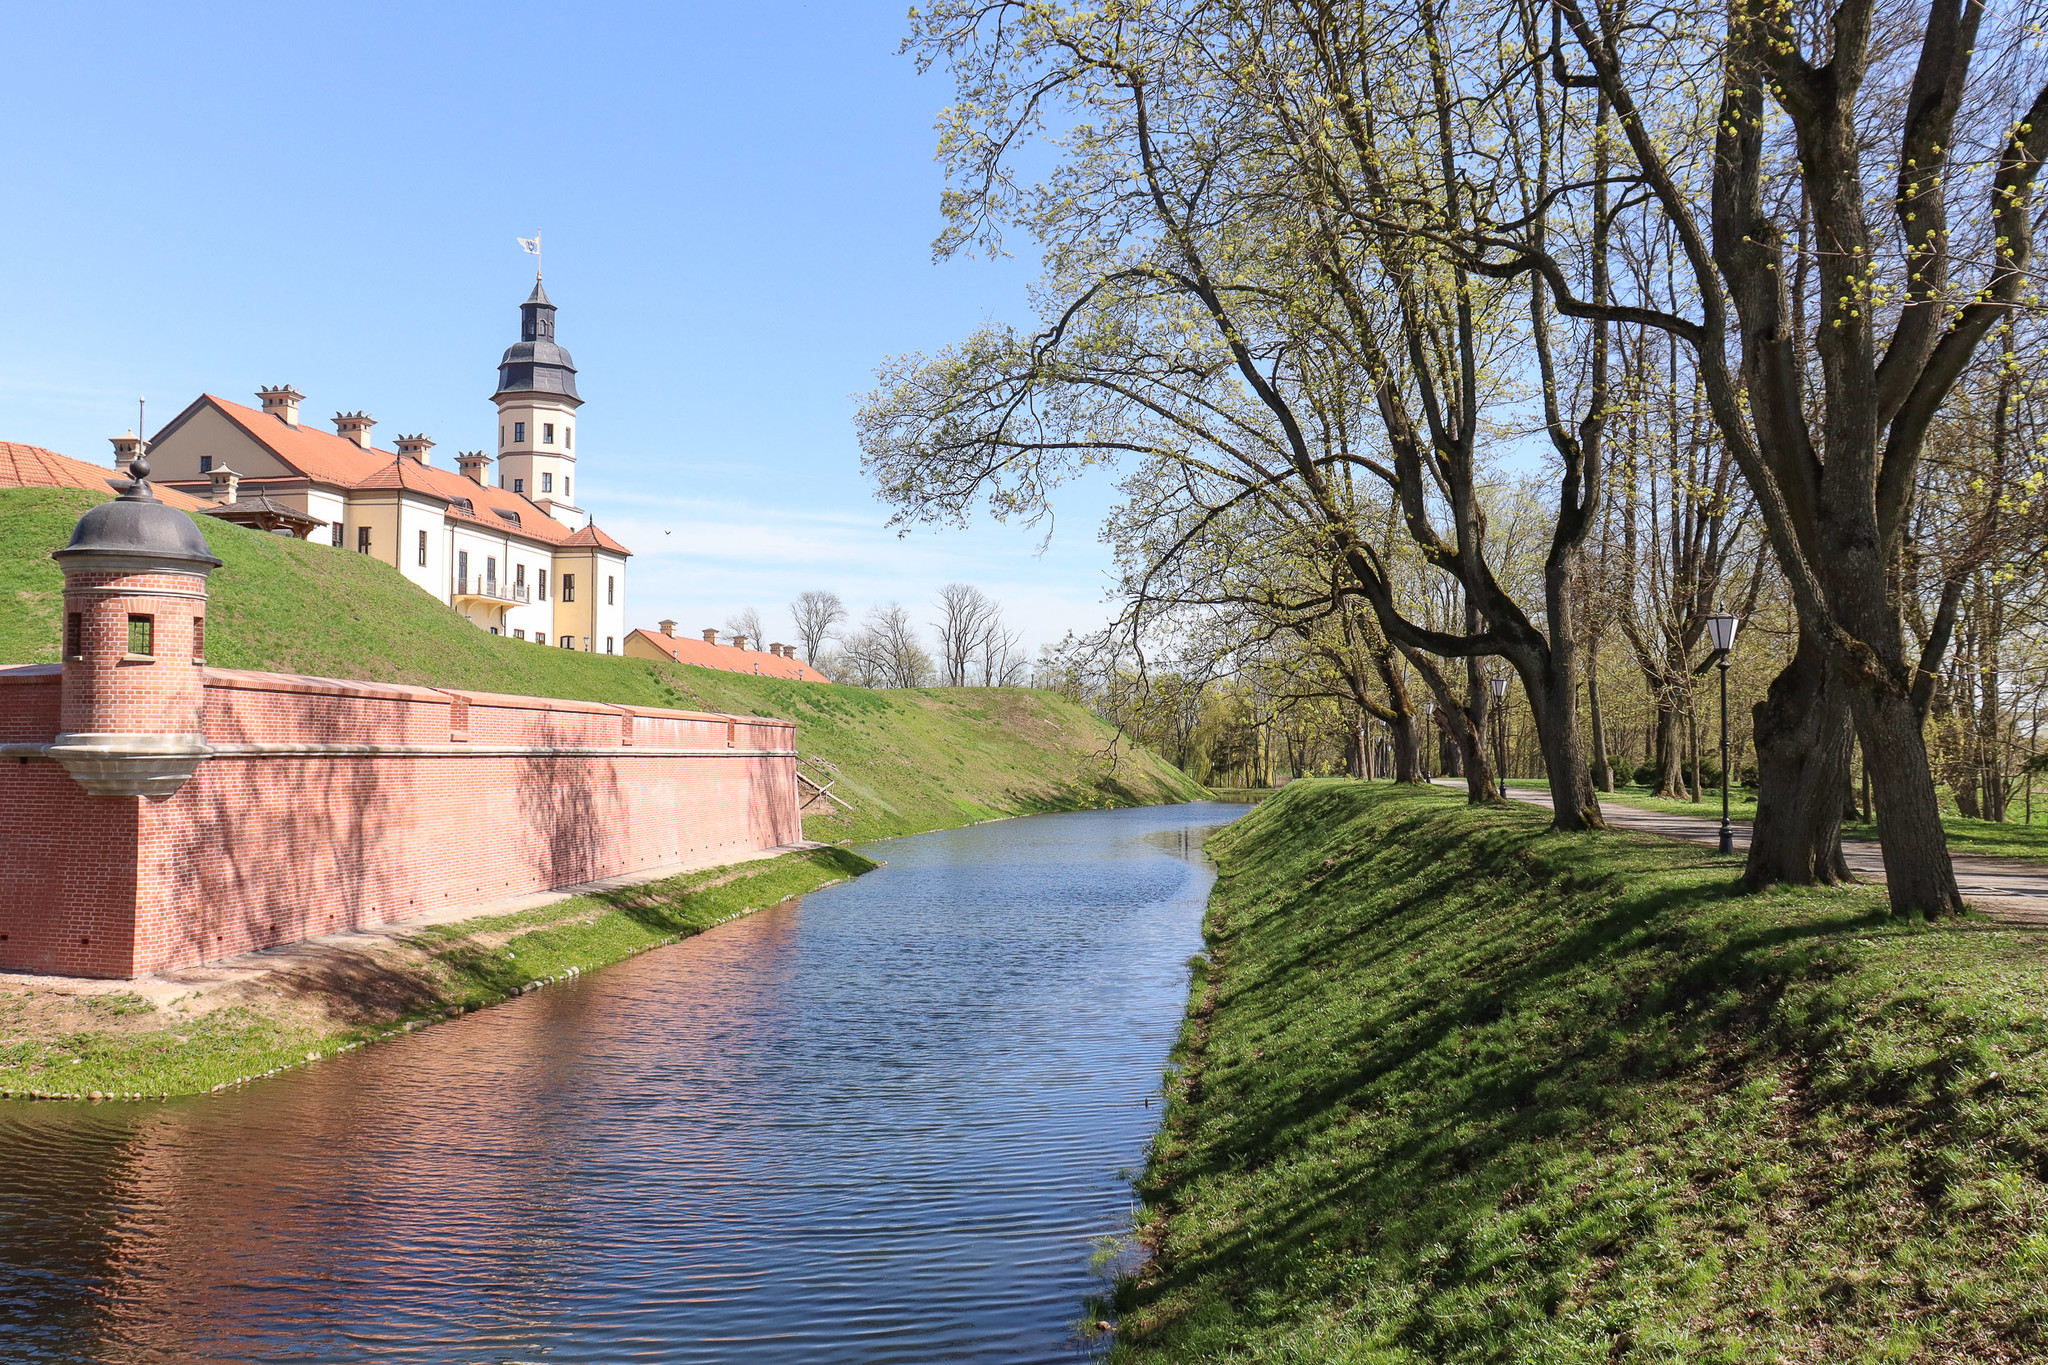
<point x="1499" y="685"/>
<point x="1426" y="738"/>
<point x="1721" y="631"/>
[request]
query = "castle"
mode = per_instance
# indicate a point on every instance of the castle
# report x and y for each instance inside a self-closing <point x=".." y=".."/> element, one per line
<point x="516" y="556"/>
<point x="156" y="811"/>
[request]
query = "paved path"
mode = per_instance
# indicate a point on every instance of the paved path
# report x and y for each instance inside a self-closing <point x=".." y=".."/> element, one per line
<point x="2003" y="888"/>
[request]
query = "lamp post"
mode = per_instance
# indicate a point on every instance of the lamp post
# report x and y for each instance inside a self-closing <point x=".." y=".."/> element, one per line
<point x="1499" y="686"/>
<point x="1721" y="630"/>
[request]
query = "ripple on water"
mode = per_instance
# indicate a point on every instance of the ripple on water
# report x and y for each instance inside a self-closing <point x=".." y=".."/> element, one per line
<point x="889" y="1122"/>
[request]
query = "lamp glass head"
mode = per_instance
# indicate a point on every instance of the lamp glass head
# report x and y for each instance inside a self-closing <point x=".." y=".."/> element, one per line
<point x="1721" y="630"/>
<point x="1499" y="686"/>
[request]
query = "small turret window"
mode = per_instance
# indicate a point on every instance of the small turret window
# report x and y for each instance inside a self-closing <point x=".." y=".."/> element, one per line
<point x="518" y="433"/>
<point x="518" y="485"/>
<point x="74" y="635"/>
<point x="547" y="483"/>
<point x="199" y="639"/>
<point x="565" y="487"/>
<point x="142" y="635"/>
<point x="568" y="441"/>
<point x="547" y="433"/>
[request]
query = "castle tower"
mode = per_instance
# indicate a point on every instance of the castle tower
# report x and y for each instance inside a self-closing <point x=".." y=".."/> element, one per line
<point x="134" y="642"/>
<point x="537" y="405"/>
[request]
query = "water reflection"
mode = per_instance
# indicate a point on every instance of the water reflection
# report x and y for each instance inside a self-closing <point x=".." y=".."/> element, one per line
<point x="886" y="1123"/>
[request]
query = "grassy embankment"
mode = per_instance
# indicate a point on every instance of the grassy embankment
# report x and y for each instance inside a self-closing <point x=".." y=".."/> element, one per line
<point x="908" y="760"/>
<point x="1456" y="1088"/>
<point x="1985" y="838"/>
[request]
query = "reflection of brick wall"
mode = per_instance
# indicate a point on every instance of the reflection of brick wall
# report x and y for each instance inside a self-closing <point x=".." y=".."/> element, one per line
<point x="412" y="800"/>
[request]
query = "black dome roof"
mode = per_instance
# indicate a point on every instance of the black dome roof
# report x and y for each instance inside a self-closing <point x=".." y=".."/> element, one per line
<point x="534" y="363"/>
<point x="137" y="524"/>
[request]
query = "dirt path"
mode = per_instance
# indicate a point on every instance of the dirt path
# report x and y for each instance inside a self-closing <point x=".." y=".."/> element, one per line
<point x="2003" y="888"/>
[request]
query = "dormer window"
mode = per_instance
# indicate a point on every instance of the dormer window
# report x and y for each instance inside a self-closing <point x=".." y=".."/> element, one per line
<point x="518" y="433"/>
<point x="512" y="517"/>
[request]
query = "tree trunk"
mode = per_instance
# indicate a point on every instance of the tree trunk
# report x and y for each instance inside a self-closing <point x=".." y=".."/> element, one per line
<point x="1603" y="767"/>
<point x="1407" y="748"/>
<point x="1918" y="875"/>
<point x="1670" y="753"/>
<point x="1554" y="703"/>
<point x="1803" y="742"/>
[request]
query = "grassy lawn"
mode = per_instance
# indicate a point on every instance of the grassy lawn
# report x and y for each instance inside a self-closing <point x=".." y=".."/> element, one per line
<point x="1985" y="838"/>
<point x="122" y="1045"/>
<point x="1455" y="1088"/>
<point x="907" y="760"/>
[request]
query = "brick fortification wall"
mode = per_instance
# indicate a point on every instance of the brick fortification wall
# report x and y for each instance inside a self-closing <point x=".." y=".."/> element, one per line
<point x="329" y="805"/>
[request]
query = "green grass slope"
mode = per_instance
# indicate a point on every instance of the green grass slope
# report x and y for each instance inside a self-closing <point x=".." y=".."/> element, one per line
<point x="907" y="760"/>
<point x="1457" y="1088"/>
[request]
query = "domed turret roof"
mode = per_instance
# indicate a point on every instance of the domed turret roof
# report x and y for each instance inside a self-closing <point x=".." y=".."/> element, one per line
<point x="138" y="525"/>
<point x="534" y="363"/>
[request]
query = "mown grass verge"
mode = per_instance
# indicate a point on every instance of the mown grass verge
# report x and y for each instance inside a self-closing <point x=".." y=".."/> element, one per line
<point x="121" y="1046"/>
<point x="1456" y="1088"/>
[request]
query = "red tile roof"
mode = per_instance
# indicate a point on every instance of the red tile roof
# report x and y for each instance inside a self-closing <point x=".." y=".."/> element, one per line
<point x="326" y="457"/>
<point x="590" y="535"/>
<point x="706" y="655"/>
<point x="24" y="466"/>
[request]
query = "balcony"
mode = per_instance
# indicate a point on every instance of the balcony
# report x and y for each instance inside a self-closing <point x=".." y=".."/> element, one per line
<point x="490" y="590"/>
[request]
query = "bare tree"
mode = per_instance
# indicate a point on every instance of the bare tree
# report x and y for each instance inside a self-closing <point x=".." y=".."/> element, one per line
<point x="817" y="616"/>
<point x="885" y="652"/>
<point x="746" y="624"/>
<point x="968" y="620"/>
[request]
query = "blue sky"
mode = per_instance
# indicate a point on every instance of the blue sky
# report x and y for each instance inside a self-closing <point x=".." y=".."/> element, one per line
<point x="738" y="205"/>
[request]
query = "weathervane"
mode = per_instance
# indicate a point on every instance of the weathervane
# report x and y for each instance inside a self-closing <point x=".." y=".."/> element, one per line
<point x="531" y="245"/>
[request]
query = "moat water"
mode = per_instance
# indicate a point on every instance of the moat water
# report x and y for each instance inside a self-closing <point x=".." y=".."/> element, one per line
<point x="893" y="1121"/>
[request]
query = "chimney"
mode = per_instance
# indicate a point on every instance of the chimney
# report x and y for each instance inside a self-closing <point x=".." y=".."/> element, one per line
<point x="739" y="642"/>
<point x="226" y="484"/>
<point x="282" y="403"/>
<point x="471" y="463"/>
<point x="415" y="446"/>
<point x="776" y="650"/>
<point x="710" y="637"/>
<point x="127" y="447"/>
<point x="668" y="627"/>
<point x="355" y="426"/>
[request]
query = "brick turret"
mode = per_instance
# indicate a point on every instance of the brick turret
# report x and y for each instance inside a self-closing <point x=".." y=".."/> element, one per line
<point x="134" y="640"/>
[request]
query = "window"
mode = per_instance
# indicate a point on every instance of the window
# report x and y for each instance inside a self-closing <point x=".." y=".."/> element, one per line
<point x="611" y="593"/>
<point x="362" y="540"/>
<point x="206" y="464"/>
<point x="565" y="488"/>
<point x="518" y="485"/>
<point x="501" y="435"/>
<point x="568" y="443"/>
<point x="199" y="639"/>
<point x="547" y="483"/>
<point x="74" y="635"/>
<point x="568" y="587"/>
<point x="518" y="433"/>
<point x="543" y="585"/>
<point x="519" y="635"/>
<point x="540" y="637"/>
<point x="491" y="571"/>
<point x="519" y="574"/>
<point x="501" y="481"/>
<point x="568" y="642"/>
<point x="423" y="549"/>
<point x="547" y="433"/>
<point x="337" y="535"/>
<point x="494" y="630"/>
<point x="462" y="571"/>
<point x="607" y="644"/>
<point x="142" y="635"/>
